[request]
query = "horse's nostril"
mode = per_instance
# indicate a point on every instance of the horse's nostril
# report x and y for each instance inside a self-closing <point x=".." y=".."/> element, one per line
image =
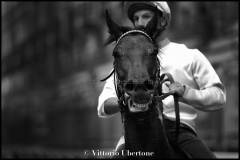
<point x="149" y="84"/>
<point x="129" y="86"/>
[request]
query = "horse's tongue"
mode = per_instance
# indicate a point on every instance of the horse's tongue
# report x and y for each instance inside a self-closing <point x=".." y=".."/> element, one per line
<point x="141" y="98"/>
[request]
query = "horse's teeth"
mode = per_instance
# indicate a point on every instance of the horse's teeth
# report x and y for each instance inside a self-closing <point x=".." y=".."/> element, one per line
<point x="140" y="105"/>
<point x="135" y="107"/>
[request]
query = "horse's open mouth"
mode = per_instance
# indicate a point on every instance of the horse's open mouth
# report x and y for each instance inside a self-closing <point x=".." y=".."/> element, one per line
<point x="135" y="107"/>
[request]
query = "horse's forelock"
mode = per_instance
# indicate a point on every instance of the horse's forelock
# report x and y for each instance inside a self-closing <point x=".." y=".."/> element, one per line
<point x="135" y="41"/>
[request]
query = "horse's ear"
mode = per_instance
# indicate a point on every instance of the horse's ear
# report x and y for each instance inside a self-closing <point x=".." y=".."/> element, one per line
<point x="113" y="28"/>
<point x="152" y="26"/>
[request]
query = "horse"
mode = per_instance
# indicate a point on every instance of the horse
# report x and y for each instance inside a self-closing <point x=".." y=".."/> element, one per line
<point x="138" y="85"/>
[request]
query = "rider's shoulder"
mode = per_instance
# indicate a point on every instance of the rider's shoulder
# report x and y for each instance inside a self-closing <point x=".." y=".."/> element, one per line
<point x="180" y="47"/>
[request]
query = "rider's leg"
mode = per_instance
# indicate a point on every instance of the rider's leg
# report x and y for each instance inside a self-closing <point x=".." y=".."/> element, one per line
<point x="188" y="141"/>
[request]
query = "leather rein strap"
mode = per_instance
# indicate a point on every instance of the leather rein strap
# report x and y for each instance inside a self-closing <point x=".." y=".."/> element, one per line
<point x="175" y="97"/>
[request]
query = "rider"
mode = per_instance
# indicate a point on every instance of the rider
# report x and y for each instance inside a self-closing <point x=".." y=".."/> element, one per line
<point x="196" y="82"/>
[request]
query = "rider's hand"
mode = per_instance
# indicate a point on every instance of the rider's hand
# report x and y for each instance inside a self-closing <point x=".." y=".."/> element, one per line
<point x="177" y="88"/>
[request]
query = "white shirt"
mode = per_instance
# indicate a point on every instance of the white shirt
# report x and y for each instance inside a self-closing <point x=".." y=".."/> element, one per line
<point x="189" y="67"/>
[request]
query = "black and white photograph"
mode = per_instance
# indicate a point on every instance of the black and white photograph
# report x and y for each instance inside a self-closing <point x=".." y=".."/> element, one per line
<point x="120" y="79"/>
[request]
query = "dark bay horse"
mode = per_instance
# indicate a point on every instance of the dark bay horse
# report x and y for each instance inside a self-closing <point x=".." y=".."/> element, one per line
<point x="138" y="85"/>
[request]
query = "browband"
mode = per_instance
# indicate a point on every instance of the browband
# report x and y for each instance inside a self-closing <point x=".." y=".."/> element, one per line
<point x="133" y="31"/>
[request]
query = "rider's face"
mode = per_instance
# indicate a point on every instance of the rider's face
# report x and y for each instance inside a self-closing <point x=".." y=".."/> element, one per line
<point x="142" y="17"/>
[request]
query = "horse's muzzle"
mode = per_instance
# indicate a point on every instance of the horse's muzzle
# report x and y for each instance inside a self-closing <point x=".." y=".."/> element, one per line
<point x="139" y="95"/>
<point x="139" y="102"/>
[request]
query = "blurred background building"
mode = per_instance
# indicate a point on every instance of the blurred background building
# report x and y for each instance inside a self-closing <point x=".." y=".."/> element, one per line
<point x="53" y="59"/>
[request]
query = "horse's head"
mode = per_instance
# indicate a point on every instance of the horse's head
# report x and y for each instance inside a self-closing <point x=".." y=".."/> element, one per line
<point x="135" y="63"/>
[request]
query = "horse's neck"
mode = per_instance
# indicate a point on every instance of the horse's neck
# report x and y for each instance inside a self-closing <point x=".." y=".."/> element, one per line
<point x="145" y="132"/>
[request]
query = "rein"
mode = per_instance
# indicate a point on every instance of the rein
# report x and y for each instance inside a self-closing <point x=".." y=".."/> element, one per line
<point x="157" y="87"/>
<point x="175" y="97"/>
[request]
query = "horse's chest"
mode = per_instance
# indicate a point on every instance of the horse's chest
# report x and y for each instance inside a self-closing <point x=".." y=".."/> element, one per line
<point x="142" y="132"/>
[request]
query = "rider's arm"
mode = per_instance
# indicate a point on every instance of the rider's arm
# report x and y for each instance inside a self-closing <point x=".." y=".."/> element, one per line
<point x="107" y="100"/>
<point x="211" y="93"/>
<point x="207" y="99"/>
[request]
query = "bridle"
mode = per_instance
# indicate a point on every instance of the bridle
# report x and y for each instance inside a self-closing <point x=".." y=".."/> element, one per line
<point x="158" y="96"/>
